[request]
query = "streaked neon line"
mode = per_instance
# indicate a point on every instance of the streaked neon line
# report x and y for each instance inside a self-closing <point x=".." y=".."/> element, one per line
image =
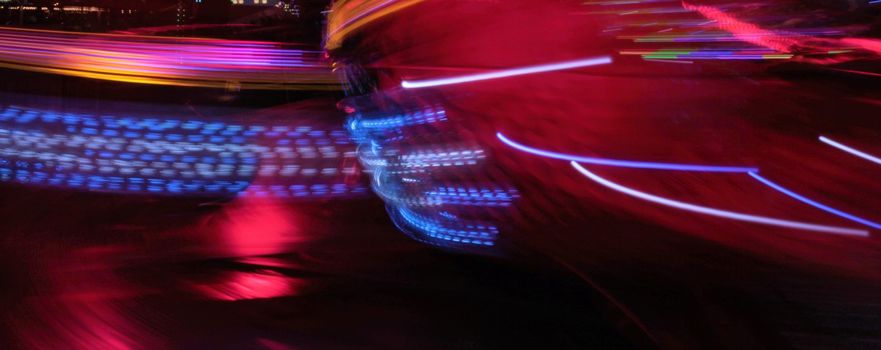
<point x="870" y="74"/>
<point x="358" y="16"/>
<point x="667" y="60"/>
<point x="745" y="31"/>
<point x="507" y="73"/>
<point x="718" y="212"/>
<point x="851" y="150"/>
<point x="166" y="61"/>
<point x="626" y="163"/>
<point x="815" y="204"/>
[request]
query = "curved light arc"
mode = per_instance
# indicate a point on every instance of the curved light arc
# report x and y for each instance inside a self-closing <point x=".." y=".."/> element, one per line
<point x="625" y="163"/>
<point x="814" y="203"/>
<point x="719" y="212"/>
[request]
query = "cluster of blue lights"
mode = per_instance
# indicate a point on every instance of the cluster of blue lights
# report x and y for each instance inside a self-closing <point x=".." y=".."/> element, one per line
<point x="170" y="130"/>
<point x="75" y="180"/>
<point x="407" y="179"/>
<point x="171" y="156"/>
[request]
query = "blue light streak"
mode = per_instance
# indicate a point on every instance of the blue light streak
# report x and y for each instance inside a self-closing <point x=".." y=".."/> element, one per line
<point x="625" y="163"/>
<point x="473" y="196"/>
<point x="814" y="203"/>
<point x="450" y="231"/>
<point x="423" y="159"/>
<point x="95" y="182"/>
<point x="155" y="128"/>
<point x="427" y="116"/>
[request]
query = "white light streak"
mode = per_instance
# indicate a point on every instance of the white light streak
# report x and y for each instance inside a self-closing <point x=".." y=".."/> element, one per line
<point x="851" y="150"/>
<point x="718" y="212"/>
<point x="507" y="73"/>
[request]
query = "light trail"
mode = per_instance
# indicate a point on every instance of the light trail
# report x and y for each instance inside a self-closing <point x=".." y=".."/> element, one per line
<point x="718" y="212"/>
<point x="814" y="203"/>
<point x="347" y="16"/>
<point x="191" y="62"/>
<point x="507" y="73"/>
<point x="850" y="150"/>
<point x="748" y="32"/>
<point x="625" y="163"/>
<point x="708" y="54"/>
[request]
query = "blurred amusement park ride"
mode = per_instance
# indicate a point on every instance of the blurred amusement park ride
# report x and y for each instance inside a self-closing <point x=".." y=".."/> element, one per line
<point x="708" y="168"/>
